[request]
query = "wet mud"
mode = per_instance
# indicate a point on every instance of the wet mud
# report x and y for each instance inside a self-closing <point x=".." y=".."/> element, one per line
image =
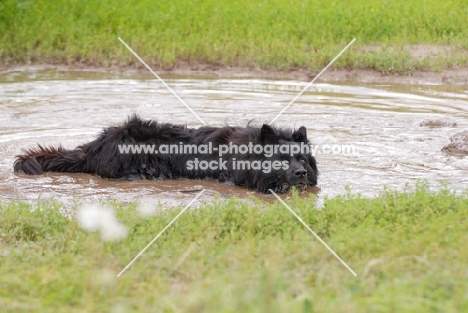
<point x="458" y="144"/>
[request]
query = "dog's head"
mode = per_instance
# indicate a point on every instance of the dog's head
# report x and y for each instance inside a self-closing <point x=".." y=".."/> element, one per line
<point x="290" y="152"/>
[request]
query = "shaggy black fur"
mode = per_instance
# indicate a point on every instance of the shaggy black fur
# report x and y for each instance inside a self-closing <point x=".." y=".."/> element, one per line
<point x="102" y="156"/>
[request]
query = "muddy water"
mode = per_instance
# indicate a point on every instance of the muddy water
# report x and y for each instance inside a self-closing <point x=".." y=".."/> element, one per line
<point x="390" y="127"/>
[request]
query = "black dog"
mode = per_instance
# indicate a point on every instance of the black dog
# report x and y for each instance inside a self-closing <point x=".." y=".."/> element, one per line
<point x="221" y="158"/>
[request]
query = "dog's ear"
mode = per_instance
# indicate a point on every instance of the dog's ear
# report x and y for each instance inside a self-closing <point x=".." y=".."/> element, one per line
<point x="300" y="135"/>
<point x="268" y="135"/>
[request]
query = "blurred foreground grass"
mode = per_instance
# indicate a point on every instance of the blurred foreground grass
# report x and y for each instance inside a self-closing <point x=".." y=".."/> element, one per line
<point x="408" y="249"/>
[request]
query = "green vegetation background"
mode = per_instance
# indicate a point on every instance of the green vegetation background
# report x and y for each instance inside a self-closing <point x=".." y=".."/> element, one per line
<point x="277" y="34"/>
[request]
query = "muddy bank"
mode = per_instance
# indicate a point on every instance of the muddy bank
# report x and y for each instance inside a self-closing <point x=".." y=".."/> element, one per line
<point x="458" y="144"/>
<point x="453" y="76"/>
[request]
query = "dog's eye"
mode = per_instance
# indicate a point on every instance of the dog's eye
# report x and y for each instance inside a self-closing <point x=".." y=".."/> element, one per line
<point x="303" y="161"/>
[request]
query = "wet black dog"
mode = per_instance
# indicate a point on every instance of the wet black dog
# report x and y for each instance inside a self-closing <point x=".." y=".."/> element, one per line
<point x="258" y="158"/>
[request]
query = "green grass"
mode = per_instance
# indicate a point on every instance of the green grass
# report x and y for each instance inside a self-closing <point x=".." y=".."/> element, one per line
<point x="408" y="249"/>
<point x="276" y="34"/>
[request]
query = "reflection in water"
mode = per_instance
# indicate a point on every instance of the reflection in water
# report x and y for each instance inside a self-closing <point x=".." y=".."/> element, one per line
<point x="384" y="123"/>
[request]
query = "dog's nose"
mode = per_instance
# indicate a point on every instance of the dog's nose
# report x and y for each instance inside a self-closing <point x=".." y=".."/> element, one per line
<point x="300" y="172"/>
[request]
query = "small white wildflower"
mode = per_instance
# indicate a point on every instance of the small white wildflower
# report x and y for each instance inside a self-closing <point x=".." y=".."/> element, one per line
<point x="101" y="218"/>
<point x="146" y="208"/>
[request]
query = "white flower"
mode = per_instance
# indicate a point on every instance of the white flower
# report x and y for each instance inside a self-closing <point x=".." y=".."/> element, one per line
<point x="101" y="218"/>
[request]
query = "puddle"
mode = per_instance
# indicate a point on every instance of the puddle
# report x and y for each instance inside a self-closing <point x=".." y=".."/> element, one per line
<point x="397" y="131"/>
